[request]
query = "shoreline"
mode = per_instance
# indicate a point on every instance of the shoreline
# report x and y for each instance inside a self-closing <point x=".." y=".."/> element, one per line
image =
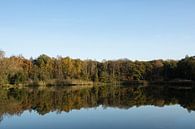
<point x="79" y="83"/>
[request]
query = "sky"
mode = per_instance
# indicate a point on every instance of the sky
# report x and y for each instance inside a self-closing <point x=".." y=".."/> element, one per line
<point x="98" y="29"/>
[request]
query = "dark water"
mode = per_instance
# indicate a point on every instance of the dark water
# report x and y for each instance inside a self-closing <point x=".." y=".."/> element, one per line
<point x="105" y="107"/>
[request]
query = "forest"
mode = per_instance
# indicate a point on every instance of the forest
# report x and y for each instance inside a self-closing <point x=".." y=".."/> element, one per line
<point x="19" y="70"/>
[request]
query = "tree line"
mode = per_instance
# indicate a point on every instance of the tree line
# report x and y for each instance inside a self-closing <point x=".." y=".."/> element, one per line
<point x="19" y="70"/>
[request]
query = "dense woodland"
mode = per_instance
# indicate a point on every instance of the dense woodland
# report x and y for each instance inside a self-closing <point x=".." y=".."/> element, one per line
<point x="18" y="70"/>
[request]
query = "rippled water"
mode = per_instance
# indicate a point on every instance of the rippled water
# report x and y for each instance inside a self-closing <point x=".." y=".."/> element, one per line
<point x="114" y="107"/>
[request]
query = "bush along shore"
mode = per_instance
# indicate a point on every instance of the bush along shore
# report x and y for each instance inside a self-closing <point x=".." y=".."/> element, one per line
<point x="183" y="84"/>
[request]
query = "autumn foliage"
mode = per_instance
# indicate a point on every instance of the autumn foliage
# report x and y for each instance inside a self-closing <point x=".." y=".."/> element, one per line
<point x="18" y="70"/>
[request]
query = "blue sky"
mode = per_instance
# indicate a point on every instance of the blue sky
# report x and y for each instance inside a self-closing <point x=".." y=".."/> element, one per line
<point x="98" y="29"/>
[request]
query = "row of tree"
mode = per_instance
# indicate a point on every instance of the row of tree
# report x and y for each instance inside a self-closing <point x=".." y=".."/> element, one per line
<point x="17" y="69"/>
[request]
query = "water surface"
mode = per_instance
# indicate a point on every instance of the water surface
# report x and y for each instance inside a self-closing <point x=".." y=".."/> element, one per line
<point x="102" y="107"/>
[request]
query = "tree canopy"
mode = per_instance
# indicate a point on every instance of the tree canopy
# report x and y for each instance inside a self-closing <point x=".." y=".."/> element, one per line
<point x="18" y="70"/>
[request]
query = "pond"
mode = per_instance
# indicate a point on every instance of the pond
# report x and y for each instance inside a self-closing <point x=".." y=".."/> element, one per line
<point x="102" y="107"/>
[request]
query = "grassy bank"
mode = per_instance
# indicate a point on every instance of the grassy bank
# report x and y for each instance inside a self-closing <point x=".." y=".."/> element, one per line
<point x="171" y="82"/>
<point x="75" y="82"/>
<point x="67" y="82"/>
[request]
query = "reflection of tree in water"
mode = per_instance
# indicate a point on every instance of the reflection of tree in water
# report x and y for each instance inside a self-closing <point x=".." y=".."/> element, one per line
<point x="1" y="118"/>
<point x="15" y="101"/>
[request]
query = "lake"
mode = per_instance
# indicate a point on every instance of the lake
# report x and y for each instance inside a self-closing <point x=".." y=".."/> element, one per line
<point x="99" y="107"/>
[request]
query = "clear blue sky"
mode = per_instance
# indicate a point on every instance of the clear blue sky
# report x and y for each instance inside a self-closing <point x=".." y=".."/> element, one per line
<point x="98" y="29"/>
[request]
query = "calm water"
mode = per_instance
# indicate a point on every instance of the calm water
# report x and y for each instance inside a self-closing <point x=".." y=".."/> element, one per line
<point x="115" y="107"/>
